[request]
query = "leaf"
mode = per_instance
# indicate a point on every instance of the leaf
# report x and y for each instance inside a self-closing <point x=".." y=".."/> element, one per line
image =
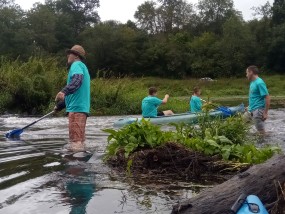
<point x="213" y="143"/>
<point x="129" y="165"/>
<point x="129" y="148"/>
<point x="110" y="131"/>
<point x="224" y="140"/>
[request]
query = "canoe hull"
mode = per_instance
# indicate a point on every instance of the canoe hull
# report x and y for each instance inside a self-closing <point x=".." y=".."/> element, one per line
<point x="255" y="200"/>
<point x="188" y="118"/>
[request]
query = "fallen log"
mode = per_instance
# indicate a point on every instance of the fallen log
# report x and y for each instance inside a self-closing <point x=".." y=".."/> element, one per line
<point x="258" y="180"/>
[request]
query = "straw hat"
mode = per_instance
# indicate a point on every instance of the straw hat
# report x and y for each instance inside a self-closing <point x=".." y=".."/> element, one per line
<point x="77" y="50"/>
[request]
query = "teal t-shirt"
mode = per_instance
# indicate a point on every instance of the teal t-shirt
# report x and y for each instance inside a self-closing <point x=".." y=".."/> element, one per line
<point x="150" y="105"/>
<point x="257" y="93"/>
<point x="195" y="104"/>
<point x="79" y="101"/>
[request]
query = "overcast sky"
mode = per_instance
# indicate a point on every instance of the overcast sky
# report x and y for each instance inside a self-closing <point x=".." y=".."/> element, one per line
<point x="123" y="10"/>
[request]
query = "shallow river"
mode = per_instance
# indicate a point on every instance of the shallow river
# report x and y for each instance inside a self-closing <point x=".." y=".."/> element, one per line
<point x="35" y="179"/>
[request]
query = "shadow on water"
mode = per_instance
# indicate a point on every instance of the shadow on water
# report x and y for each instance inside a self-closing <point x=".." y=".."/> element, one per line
<point x="36" y="178"/>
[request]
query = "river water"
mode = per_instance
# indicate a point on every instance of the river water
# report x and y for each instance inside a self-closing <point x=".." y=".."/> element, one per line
<point x="35" y="178"/>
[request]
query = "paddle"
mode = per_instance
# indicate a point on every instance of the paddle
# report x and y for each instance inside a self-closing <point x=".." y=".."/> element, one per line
<point x="223" y="109"/>
<point x="16" y="132"/>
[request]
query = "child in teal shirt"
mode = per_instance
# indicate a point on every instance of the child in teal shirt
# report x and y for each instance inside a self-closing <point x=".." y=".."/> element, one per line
<point x="196" y="102"/>
<point x="151" y="103"/>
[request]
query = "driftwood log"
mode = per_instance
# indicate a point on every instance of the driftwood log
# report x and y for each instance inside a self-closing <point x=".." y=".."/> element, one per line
<point x="258" y="180"/>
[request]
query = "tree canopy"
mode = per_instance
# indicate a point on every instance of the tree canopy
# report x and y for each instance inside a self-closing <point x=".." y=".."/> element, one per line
<point x="169" y="38"/>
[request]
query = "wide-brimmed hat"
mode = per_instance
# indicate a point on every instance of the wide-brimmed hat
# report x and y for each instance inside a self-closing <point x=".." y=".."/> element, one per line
<point x="77" y="50"/>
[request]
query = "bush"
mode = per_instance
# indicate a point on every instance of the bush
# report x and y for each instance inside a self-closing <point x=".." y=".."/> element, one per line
<point x="30" y="86"/>
<point x="227" y="139"/>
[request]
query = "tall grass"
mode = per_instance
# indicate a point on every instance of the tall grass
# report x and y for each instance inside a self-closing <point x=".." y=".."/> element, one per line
<point x="124" y="95"/>
<point x="31" y="87"/>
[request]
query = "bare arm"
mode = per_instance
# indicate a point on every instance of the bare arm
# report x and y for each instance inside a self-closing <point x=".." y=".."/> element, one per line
<point x="165" y="99"/>
<point x="267" y="105"/>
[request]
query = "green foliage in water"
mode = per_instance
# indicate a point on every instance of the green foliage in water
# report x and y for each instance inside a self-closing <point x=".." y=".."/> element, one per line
<point x="136" y="136"/>
<point x="227" y="138"/>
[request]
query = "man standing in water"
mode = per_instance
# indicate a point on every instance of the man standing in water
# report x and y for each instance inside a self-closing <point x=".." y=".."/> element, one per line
<point x="76" y="95"/>
<point x="259" y="99"/>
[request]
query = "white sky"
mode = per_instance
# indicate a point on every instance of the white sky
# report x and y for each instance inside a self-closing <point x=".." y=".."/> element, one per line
<point x="123" y="10"/>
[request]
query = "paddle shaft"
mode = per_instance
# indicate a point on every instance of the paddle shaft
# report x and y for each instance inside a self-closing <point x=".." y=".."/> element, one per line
<point x="38" y="120"/>
<point x="209" y="103"/>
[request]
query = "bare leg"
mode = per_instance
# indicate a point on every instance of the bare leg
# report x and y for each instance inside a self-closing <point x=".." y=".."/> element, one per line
<point x="168" y="112"/>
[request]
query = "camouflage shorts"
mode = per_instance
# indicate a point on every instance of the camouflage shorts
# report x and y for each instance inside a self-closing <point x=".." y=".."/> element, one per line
<point x="77" y="123"/>
<point x="257" y="117"/>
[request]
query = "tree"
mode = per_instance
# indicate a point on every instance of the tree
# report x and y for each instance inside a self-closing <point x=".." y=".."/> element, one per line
<point x="237" y="47"/>
<point x="6" y="3"/>
<point x="113" y="47"/>
<point x="261" y="29"/>
<point x="203" y="51"/>
<point x="78" y="13"/>
<point x="213" y="14"/>
<point x="278" y="12"/>
<point x="263" y="11"/>
<point x="147" y="16"/>
<point x="276" y="49"/>
<point x="175" y="14"/>
<point x="42" y="21"/>
<point x="15" y="37"/>
<point x="164" y="16"/>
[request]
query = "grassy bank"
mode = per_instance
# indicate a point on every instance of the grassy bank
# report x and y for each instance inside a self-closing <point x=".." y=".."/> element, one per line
<point x="123" y="96"/>
<point x="30" y="88"/>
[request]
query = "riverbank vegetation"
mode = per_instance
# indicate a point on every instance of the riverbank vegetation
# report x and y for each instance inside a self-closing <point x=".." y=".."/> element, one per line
<point x="30" y="87"/>
<point x="173" y="40"/>
<point x="216" y="146"/>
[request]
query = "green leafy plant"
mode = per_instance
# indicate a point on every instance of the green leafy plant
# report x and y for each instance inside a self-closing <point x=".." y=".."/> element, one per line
<point x="225" y="138"/>
<point x="138" y="135"/>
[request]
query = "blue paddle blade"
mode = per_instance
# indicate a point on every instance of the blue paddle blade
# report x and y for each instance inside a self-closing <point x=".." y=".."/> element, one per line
<point x="14" y="133"/>
<point x="226" y="111"/>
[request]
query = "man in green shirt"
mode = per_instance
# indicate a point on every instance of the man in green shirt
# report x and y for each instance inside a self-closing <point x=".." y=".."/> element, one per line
<point x="259" y="99"/>
<point x="76" y="95"/>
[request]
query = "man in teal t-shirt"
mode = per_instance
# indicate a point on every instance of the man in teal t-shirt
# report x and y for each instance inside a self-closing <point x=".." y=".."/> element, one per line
<point x="76" y="95"/>
<point x="79" y="101"/>
<point x="259" y="99"/>
<point x="151" y="103"/>
<point x="196" y="102"/>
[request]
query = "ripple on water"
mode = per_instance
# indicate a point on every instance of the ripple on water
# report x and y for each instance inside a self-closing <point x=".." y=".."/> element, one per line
<point x="34" y="179"/>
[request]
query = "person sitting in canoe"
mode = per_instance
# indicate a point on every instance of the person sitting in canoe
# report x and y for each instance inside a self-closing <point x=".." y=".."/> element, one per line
<point x="196" y="101"/>
<point x="151" y="103"/>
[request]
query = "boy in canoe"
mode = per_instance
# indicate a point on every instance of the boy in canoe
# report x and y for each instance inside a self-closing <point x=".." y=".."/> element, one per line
<point x="259" y="100"/>
<point x="196" y="102"/>
<point x="151" y="103"/>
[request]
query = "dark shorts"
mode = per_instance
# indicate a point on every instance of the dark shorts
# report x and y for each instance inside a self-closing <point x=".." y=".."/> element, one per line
<point x="160" y="114"/>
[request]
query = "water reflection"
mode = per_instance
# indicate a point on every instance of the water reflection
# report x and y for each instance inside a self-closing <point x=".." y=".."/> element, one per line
<point x="79" y="185"/>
